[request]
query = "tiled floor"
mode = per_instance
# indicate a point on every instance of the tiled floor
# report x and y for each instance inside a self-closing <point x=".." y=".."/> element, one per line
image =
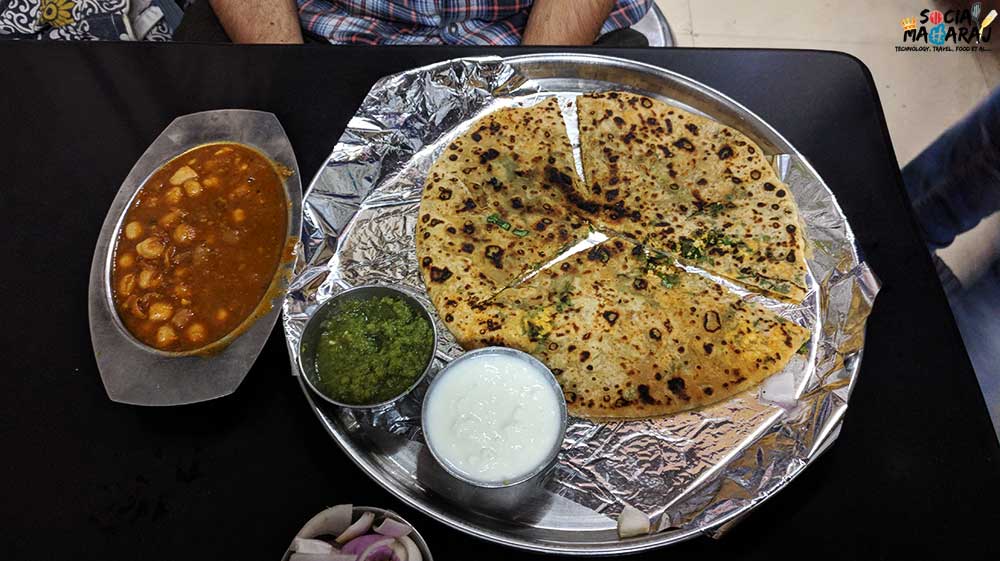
<point x="922" y="94"/>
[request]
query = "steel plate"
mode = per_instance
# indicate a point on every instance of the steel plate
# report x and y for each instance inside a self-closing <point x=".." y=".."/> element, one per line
<point x="551" y="522"/>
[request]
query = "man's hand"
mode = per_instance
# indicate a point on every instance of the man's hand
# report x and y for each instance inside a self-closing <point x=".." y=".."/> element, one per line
<point x="259" y="21"/>
<point x="566" y="22"/>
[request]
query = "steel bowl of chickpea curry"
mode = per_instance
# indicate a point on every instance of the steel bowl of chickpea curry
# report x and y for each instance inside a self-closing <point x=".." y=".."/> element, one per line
<point x="197" y="248"/>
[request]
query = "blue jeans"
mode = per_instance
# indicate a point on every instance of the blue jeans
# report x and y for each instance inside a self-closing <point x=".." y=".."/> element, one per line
<point x="955" y="182"/>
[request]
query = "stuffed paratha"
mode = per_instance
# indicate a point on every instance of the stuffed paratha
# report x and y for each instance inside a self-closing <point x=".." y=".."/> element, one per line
<point x="627" y="337"/>
<point x="690" y="187"/>
<point x="627" y="334"/>
<point x="488" y="216"/>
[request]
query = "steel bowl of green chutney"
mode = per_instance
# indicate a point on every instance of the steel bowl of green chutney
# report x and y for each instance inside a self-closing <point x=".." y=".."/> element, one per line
<point x="367" y="347"/>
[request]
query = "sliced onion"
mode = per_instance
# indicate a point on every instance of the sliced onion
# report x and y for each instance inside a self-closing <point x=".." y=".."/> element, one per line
<point x="358" y="544"/>
<point x="306" y="545"/>
<point x="331" y="521"/>
<point x="360" y="526"/>
<point x="412" y="551"/>
<point x="632" y="522"/>
<point x="378" y="550"/>
<point x="322" y="557"/>
<point x="398" y="551"/>
<point x="393" y="528"/>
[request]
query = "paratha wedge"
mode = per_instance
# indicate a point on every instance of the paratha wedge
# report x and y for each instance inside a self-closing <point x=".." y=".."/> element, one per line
<point x="629" y="339"/>
<point x="488" y="217"/>
<point x="692" y="188"/>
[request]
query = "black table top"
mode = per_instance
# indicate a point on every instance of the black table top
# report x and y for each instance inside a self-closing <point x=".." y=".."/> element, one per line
<point x="915" y="472"/>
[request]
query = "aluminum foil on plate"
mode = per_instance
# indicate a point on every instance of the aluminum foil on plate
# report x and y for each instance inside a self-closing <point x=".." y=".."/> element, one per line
<point x="692" y="473"/>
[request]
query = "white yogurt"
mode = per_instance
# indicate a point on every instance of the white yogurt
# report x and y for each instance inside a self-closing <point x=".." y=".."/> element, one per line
<point x="493" y="417"/>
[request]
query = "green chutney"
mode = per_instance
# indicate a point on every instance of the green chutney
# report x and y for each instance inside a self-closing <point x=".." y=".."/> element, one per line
<point x="372" y="350"/>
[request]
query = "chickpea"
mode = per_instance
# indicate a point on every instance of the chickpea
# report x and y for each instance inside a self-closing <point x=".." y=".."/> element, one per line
<point x="126" y="284"/>
<point x="221" y="314"/>
<point x="133" y="230"/>
<point x="239" y="215"/>
<point x="182" y="317"/>
<point x="196" y="333"/>
<point x="239" y="192"/>
<point x="126" y="260"/>
<point x="136" y="306"/>
<point x="211" y="182"/>
<point x="184" y="233"/>
<point x="160" y="311"/>
<point x="149" y="248"/>
<point x="165" y="336"/>
<point x="148" y="279"/>
<point x="182" y="290"/>
<point x="192" y="187"/>
<point x="182" y="175"/>
<point x="174" y="195"/>
<point x="170" y="218"/>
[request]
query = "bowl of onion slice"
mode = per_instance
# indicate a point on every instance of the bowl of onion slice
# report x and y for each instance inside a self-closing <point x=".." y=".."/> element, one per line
<point x="357" y="533"/>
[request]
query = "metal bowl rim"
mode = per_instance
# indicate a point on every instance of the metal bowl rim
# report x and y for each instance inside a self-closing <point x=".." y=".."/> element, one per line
<point x="549" y="457"/>
<point x="282" y="270"/>
<point x="419" y="540"/>
<point x="409" y="296"/>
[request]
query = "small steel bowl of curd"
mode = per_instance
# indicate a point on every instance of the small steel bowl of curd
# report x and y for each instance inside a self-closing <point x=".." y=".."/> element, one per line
<point x="494" y="418"/>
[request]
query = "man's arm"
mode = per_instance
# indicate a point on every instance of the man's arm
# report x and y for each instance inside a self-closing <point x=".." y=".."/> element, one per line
<point x="259" y="21"/>
<point x="565" y="22"/>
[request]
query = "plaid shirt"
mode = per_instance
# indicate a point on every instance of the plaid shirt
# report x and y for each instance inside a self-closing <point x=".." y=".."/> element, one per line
<point x="438" y="22"/>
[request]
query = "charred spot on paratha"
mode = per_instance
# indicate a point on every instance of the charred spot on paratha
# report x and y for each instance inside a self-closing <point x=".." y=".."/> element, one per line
<point x="644" y="395"/>
<point x="494" y="254"/>
<point x="677" y="387"/>
<point x="440" y="274"/>
<point x="488" y="155"/>
<point x="684" y="144"/>
<point x="599" y="253"/>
